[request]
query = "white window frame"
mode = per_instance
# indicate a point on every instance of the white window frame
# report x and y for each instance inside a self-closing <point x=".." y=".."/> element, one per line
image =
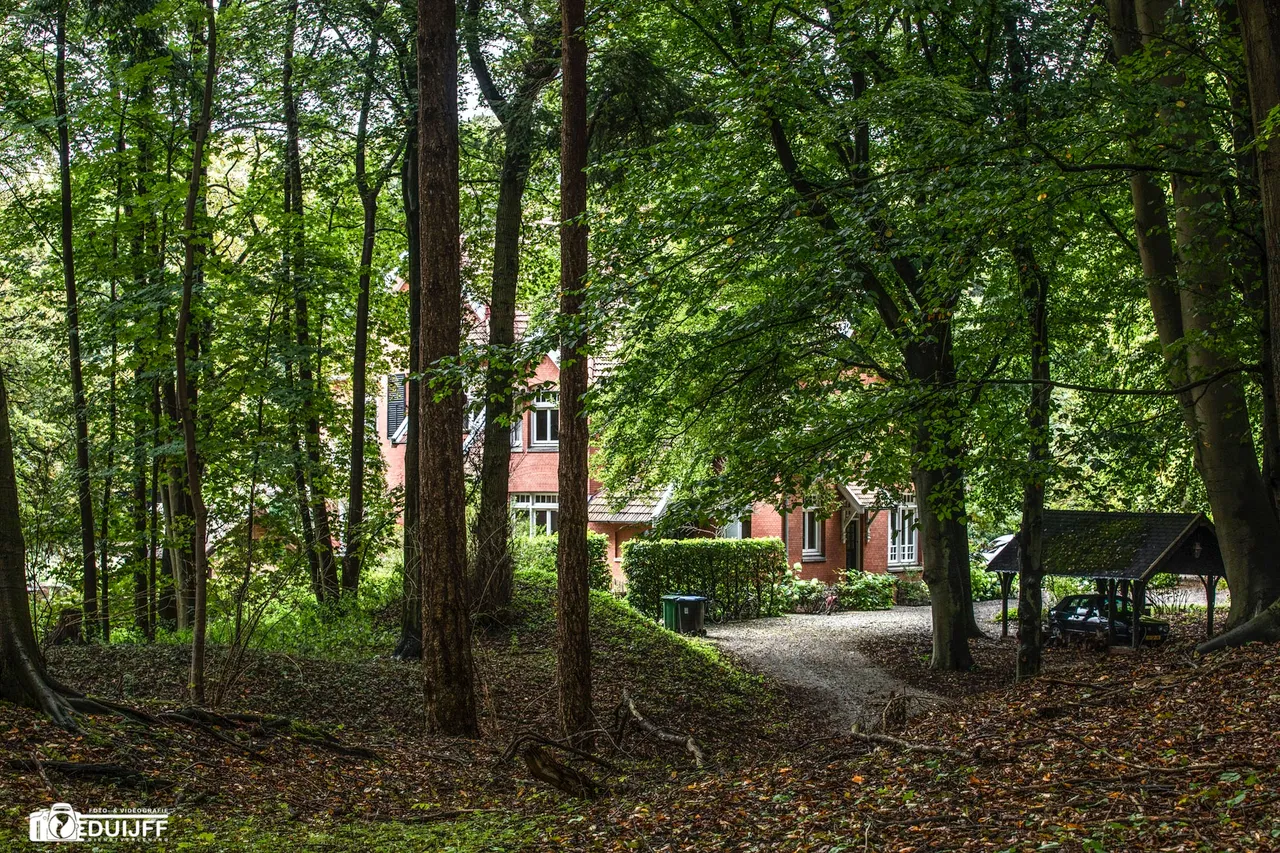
<point x="732" y="530"/>
<point x="904" y="535"/>
<point x="546" y="408"/>
<point x="517" y="432"/>
<point x="526" y="509"/>
<point x="812" y="530"/>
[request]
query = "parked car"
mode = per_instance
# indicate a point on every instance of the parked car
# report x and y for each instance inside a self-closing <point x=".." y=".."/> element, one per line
<point x="1087" y="616"/>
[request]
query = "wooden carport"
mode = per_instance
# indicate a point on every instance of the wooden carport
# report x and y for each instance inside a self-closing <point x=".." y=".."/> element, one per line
<point x="1121" y="551"/>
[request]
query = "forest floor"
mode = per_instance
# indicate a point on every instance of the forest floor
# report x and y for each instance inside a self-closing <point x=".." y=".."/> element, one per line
<point x="1159" y="750"/>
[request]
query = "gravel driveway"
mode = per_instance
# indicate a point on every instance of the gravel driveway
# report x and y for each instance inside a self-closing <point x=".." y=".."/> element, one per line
<point x="819" y="654"/>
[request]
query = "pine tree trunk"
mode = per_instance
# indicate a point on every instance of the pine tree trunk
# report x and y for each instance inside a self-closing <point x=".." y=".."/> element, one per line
<point x="88" y="551"/>
<point x="442" y="527"/>
<point x="492" y="574"/>
<point x="573" y="661"/>
<point x="410" y="644"/>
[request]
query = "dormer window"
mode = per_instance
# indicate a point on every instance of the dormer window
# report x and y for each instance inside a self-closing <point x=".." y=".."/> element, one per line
<point x="546" y="420"/>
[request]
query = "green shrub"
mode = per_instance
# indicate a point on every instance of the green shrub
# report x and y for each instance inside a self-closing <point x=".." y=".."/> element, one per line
<point x="865" y="591"/>
<point x="802" y="595"/>
<point x="732" y="571"/>
<point x="1057" y="587"/>
<point x="985" y="584"/>
<point x="1163" y="580"/>
<point x="911" y="593"/>
<point x="539" y="553"/>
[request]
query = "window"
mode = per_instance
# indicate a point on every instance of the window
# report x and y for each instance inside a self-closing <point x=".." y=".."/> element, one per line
<point x="739" y="528"/>
<point x="517" y="433"/>
<point x="395" y="402"/>
<point x="811" y="535"/>
<point x="536" y="514"/>
<point x="732" y="530"/>
<point x="902" y="535"/>
<point x="546" y="420"/>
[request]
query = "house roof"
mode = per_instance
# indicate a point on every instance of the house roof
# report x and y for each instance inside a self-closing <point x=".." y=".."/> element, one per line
<point x="638" y="510"/>
<point x="859" y="495"/>
<point x="1121" y="545"/>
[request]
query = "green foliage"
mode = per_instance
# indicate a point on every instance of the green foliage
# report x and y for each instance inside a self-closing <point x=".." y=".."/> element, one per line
<point x="911" y="593"/>
<point x="802" y="595"/>
<point x="1163" y="580"/>
<point x="985" y="584"/>
<point x="1057" y="587"/>
<point x="539" y="554"/>
<point x="732" y="571"/>
<point x="866" y="591"/>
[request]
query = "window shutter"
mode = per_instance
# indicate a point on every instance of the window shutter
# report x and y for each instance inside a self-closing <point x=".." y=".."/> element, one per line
<point x="395" y="402"/>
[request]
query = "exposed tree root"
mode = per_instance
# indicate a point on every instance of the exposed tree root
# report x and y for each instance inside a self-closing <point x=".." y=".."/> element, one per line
<point x="543" y="766"/>
<point x="1263" y="628"/>
<point x="687" y="741"/>
<point x="126" y="776"/>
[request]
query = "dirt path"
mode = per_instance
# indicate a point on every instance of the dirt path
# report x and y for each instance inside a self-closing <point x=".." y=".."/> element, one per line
<point x="820" y="654"/>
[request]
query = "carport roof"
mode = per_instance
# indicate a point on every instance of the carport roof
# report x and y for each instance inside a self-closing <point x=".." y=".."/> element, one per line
<point x="636" y="510"/>
<point x="1121" y="545"/>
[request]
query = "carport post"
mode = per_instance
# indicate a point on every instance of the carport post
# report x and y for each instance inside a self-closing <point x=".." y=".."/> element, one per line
<point x="1210" y="596"/>
<point x="1006" y="584"/>
<point x="1111" y="612"/>
<point x="1139" y="607"/>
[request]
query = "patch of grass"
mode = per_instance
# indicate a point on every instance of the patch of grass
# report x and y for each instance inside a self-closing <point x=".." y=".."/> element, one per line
<point x="498" y="830"/>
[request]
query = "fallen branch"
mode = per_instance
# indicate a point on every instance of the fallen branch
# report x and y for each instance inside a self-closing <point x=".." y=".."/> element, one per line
<point x="687" y="741"/>
<point x="888" y="740"/>
<point x="526" y="737"/>
<point x="429" y="817"/>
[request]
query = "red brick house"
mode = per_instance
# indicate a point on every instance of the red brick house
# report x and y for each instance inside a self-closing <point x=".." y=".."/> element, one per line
<point x="862" y="534"/>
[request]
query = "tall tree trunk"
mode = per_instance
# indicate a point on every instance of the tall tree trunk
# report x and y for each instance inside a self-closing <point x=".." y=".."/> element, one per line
<point x="22" y="674"/>
<point x="88" y="552"/>
<point x="192" y="256"/>
<point x="369" y="202"/>
<point x="1260" y="31"/>
<point x="410" y="644"/>
<point x="1031" y="535"/>
<point x="1183" y="289"/>
<point x="573" y="661"/>
<point x="492" y="575"/>
<point x="442" y="526"/>
<point x="138" y="514"/>
<point x="180" y="522"/>
<point x="311" y="386"/>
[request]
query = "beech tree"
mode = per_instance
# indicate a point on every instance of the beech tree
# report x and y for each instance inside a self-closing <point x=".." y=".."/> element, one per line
<point x="22" y="674"/>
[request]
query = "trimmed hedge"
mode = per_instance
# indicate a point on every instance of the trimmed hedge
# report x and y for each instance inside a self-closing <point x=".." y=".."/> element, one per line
<point x="732" y="571"/>
<point x="539" y="553"/>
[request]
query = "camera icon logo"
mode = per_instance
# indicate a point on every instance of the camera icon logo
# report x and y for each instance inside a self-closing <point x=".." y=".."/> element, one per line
<point x="59" y="822"/>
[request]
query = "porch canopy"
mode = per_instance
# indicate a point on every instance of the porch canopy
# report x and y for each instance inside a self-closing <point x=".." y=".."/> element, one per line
<point x="1121" y="549"/>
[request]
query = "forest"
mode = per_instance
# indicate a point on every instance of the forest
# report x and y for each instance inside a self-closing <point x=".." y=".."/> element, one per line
<point x="294" y="294"/>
